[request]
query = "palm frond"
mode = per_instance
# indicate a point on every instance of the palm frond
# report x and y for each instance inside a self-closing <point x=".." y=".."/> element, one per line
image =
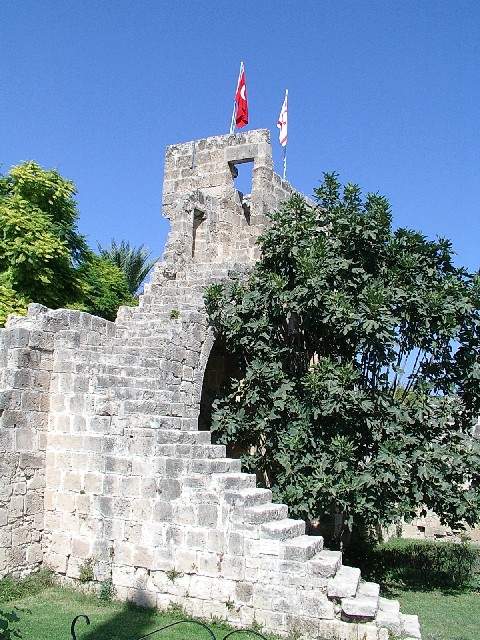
<point x="135" y="262"/>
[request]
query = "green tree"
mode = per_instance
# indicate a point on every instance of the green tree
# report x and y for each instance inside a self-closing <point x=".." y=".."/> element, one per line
<point x="10" y="301"/>
<point x="135" y="262"/>
<point x="360" y="353"/>
<point x="104" y="287"/>
<point x="40" y="246"/>
<point x="43" y="257"/>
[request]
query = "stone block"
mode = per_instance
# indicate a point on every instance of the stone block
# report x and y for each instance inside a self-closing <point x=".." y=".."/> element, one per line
<point x="81" y="548"/>
<point x="186" y="560"/>
<point x="368" y="589"/>
<point x="201" y="587"/>
<point x="410" y="626"/>
<point x="345" y="583"/>
<point x="359" y="607"/>
<point x="388" y="616"/>
<point x="208" y="564"/>
<point x="207" y="515"/>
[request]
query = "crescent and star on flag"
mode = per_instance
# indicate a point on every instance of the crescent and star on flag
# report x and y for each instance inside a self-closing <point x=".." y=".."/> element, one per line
<point x="240" y="114"/>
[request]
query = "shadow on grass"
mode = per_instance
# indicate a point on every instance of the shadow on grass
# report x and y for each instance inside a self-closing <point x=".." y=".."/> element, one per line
<point x="136" y="623"/>
<point x="8" y="624"/>
<point x="129" y="623"/>
<point x="125" y="626"/>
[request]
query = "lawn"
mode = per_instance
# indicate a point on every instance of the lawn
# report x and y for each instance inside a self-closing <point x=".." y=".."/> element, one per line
<point x="45" y="613"/>
<point x="443" y="615"/>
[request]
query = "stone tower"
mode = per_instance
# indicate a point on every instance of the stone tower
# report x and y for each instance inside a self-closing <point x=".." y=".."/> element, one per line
<point x="102" y="460"/>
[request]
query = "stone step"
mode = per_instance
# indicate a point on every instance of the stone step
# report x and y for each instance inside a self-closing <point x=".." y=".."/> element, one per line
<point x="282" y="529"/>
<point x="113" y="362"/>
<point x="202" y="451"/>
<point x="248" y="497"/>
<point x="326" y="563"/>
<point x="135" y="395"/>
<point x="267" y="512"/>
<point x="410" y="626"/>
<point x="172" y="436"/>
<point x="163" y="309"/>
<point x="359" y="608"/>
<point x="344" y="584"/>
<point x="119" y="349"/>
<point x="302" y="548"/>
<point x="232" y="481"/>
<point x="388" y="616"/>
<point x="153" y="408"/>
<point x="198" y="467"/>
<point x="159" y="421"/>
<point x="191" y="451"/>
<point x="368" y="589"/>
<point x="364" y="605"/>
<point x="131" y="380"/>
<point x="215" y="465"/>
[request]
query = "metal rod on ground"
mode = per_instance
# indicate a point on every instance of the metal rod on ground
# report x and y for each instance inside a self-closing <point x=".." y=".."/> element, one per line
<point x="232" y="122"/>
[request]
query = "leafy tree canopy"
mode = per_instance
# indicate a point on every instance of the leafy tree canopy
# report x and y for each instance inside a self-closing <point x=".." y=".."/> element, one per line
<point x="135" y="262"/>
<point x="43" y="257"/>
<point x="39" y="242"/>
<point x="360" y="352"/>
<point x="104" y="287"/>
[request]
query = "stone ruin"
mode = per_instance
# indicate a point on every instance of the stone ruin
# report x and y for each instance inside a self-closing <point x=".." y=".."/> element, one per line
<point x="103" y="463"/>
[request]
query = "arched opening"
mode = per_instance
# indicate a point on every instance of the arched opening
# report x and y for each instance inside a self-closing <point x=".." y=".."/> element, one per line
<point x="199" y="234"/>
<point x="221" y="368"/>
<point x="242" y="175"/>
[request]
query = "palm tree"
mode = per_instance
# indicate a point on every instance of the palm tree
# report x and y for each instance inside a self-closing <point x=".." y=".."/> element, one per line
<point x="135" y="262"/>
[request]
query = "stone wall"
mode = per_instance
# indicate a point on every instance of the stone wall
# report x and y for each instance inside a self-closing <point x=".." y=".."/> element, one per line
<point x="37" y="395"/>
<point x="199" y="182"/>
<point x="100" y="425"/>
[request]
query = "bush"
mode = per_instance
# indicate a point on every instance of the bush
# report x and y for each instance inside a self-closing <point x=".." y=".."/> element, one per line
<point x="12" y="588"/>
<point x="107" y="591"/>
<point x="425" y="564"/>
<point x="86" y="571"/>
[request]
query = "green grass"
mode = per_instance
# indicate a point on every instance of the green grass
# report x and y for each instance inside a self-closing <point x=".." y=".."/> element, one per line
<point x="44" y="612"/>
<point x="47" y="615"/>
<point x="443" y="615"/>
<point x="11" y="589"/>
<point x="438" y="581"/>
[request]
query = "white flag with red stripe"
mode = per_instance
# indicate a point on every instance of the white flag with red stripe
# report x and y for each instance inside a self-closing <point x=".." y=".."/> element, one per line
<point x="282" y="123"/>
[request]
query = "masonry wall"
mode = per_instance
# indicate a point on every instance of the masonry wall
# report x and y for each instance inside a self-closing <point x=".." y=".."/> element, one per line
<point x="36" y="395"/>
<point x="105" y="471"/>
<point x="25" y="369"/>
<point x="198" y="178"/>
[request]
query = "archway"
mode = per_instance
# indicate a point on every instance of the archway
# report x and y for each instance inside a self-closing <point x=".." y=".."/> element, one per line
<point x="221" y="368"/>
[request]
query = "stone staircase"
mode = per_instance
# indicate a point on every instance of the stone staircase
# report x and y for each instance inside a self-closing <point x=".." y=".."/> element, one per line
<point x="296" y="584"/>
<point x="331" y="590"/>
<point x="238" y="554"/>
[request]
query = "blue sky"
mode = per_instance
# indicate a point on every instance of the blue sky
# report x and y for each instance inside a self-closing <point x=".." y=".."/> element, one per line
<point x="386" y="93"/>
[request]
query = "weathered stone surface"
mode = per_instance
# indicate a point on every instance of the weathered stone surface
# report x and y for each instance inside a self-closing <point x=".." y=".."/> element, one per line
<point x="345" y="583"/>
<point x="410" y="626"/>
<point x="102" y="461"/>
<point x="359" y="607"/>
<point x="326" y="563"/>
<point x="388" y="616"/>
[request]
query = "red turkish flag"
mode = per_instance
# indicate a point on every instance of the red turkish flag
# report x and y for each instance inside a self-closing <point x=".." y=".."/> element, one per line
<point x="241" y="114"/>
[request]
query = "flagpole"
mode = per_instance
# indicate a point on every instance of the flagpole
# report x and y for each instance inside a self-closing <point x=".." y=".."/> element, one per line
<point x="285" y="147"/>
<point x="232" y="121"/>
